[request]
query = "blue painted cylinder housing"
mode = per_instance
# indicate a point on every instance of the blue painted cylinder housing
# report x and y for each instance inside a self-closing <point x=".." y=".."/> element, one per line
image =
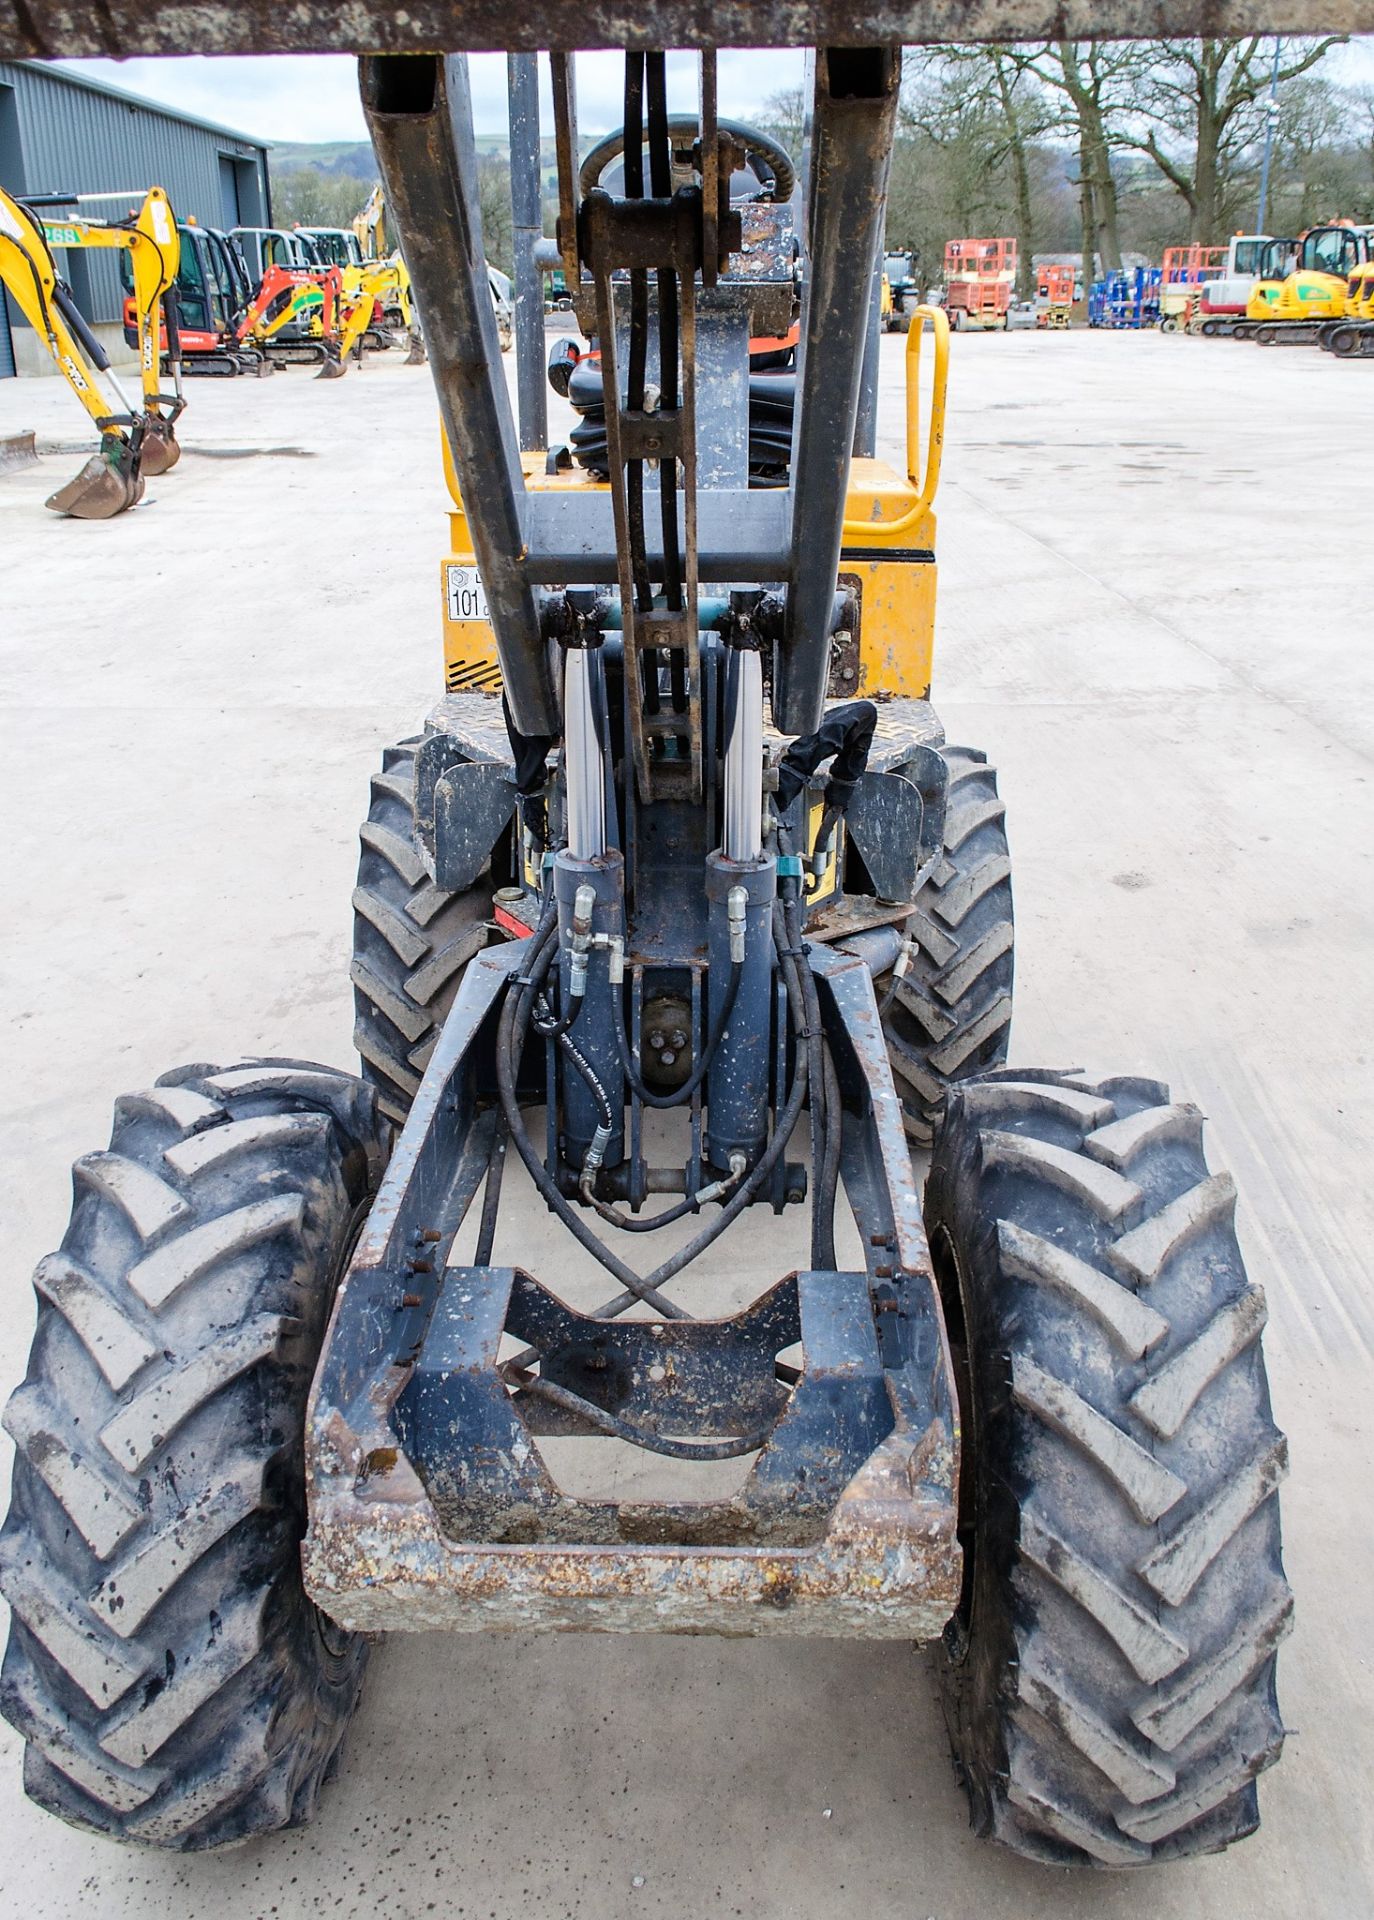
<point x="593" y="1033"/>
<point x="740" y="1077"/>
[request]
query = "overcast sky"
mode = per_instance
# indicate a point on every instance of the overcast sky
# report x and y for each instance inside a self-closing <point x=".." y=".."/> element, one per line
<point x="315" y="96"/>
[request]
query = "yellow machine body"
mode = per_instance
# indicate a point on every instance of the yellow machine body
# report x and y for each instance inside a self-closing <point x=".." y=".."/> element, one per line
<point x="1359" y="293"/>
<point x="887" y="559"/>
<point x="1261" y="300"/>
<point x="28" y="241"/>
<point x="1304" y="295"/>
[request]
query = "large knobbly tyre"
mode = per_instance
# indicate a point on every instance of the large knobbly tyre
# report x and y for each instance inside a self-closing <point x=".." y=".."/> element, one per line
<point x="950" y="1018"/>
<point x="174" y="1683"/>
<point x="411" y="940"/>
<point x="1109" y="1677"/>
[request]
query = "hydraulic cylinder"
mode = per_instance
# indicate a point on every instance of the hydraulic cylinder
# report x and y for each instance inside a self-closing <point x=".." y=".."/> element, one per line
<point x="741" y="894"/>
<point x="590" y="914"/>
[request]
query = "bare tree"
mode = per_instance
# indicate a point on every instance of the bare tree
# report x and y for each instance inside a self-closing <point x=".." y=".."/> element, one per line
<point x="1015" y="113"/>
<point x="784" y="115"/>
<point x="310" y="197"/>
<point x="1098" y="82"/>
<point x="498" y="231"/>
<point x="1204" y="102"/>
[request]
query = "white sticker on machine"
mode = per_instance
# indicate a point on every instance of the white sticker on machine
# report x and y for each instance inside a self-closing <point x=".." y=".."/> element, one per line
<point x="467" y="597"/>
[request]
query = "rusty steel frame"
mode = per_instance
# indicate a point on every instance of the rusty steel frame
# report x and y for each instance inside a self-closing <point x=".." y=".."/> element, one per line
<point x="883" y="1560"/>
<point x="120" y="29"/>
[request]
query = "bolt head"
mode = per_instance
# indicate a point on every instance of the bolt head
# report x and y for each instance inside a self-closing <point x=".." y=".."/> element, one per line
<point x="657" y="1040"/>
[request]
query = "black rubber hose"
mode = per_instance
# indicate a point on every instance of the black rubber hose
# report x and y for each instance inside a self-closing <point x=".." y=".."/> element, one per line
<point x="826" y="1180"/>
<point x="569" y="1048"/>
<point x="824" y="1127"/>
<point x="738" y="1201"/>
<point x="491" y="1195"/>
<point x="762" y="145"/>
<point x="744" y="1193"/>
<point x="517" y="999"/>
<point x="679" y="1095"/>
<point x="551" y="1025"/>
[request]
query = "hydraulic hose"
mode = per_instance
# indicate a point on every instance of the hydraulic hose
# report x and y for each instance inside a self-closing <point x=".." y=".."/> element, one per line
<point x="745" y="1192"/>
<point x="662" y="1101"/>
<point x="826" y="1181"/>
<point x="825" y="1138"/>
<point x="509" y="1042"/>
<point x="491" y="1197"/>
<point x="647" y="1289"/>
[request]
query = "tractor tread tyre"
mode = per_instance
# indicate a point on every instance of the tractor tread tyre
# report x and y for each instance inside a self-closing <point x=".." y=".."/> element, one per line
<point x="1109" y="1677"/>
<point x="411" y="940"/>
<point x="173" y="1681"/>
<point x="950" y="1017"/>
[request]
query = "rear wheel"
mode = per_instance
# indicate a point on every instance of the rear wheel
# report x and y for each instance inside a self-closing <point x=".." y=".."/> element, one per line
<point x="411" y="939"/>
<point x="950" y="1016"/>
<point x="174" y="1683"/>
<point x="1109" y="1675"/>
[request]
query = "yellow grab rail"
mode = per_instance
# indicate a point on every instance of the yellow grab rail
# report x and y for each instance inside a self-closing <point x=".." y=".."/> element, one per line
<point x="935" y="444"/>
<point x="926" y="483"/>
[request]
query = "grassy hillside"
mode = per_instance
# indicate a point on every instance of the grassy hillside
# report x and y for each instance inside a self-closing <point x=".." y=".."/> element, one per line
<point x="348" y="158"/>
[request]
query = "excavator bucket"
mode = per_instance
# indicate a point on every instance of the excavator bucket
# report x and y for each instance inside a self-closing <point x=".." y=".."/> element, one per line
<point x="161" y="449"/>
<point x="109" y="483"/>
<point x="416" y="356"/>
<point x="332" y="366"/>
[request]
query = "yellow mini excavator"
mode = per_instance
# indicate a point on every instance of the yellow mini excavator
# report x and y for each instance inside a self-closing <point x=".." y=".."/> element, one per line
<point x="135" y="440"/>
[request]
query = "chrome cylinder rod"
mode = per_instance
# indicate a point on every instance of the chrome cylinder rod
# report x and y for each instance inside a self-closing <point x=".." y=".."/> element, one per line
<point x="742" y="838"/>
<point x="584" y="714"/>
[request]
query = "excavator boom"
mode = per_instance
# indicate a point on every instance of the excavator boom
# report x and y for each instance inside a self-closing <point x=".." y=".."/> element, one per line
<point x="112" y="479"/>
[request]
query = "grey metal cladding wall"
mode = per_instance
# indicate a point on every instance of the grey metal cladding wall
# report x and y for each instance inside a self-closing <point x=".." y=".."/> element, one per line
<point x="79" y="140"/>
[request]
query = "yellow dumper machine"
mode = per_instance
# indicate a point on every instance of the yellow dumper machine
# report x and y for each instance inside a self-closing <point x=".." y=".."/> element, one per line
<point x="682" y="900"/>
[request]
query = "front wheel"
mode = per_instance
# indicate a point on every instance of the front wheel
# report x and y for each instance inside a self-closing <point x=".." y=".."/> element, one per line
<point x="949" y="1016"/>
<point x="411" y="939"/>
<point x="174" y="1683"/>
<point x="1109" y="1675"/>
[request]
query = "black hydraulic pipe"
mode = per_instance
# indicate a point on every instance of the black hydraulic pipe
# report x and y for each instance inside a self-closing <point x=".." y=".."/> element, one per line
<point x="419" y="113"/>
<point x="852" y="129"/>
<point x="77" y="324"/>
<point x="527" y="212"/>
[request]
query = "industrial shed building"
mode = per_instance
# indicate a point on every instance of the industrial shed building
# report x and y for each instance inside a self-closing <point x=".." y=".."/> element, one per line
<point x="63" y="133"/>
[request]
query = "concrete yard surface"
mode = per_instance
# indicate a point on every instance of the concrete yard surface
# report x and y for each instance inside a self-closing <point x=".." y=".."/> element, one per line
<point x="1152" y="619"/>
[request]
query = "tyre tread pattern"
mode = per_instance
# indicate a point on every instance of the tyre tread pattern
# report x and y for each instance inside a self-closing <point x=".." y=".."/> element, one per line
<point x="1114" y="1700"/>
<point x="164" y="1664"/>
<point x="951" y="1016"/>
<point x="411" y="940"/>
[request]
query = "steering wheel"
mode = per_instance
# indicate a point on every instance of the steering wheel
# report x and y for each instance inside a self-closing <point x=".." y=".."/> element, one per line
<point x="765" y="155"/>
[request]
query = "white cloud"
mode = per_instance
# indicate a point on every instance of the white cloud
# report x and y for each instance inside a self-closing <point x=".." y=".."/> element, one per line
<point x="315" y="96"/>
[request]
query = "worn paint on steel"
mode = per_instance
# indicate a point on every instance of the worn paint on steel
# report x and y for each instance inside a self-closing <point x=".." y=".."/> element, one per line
<point x="51" y="29"/>
<point x="430" y="1506"/>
